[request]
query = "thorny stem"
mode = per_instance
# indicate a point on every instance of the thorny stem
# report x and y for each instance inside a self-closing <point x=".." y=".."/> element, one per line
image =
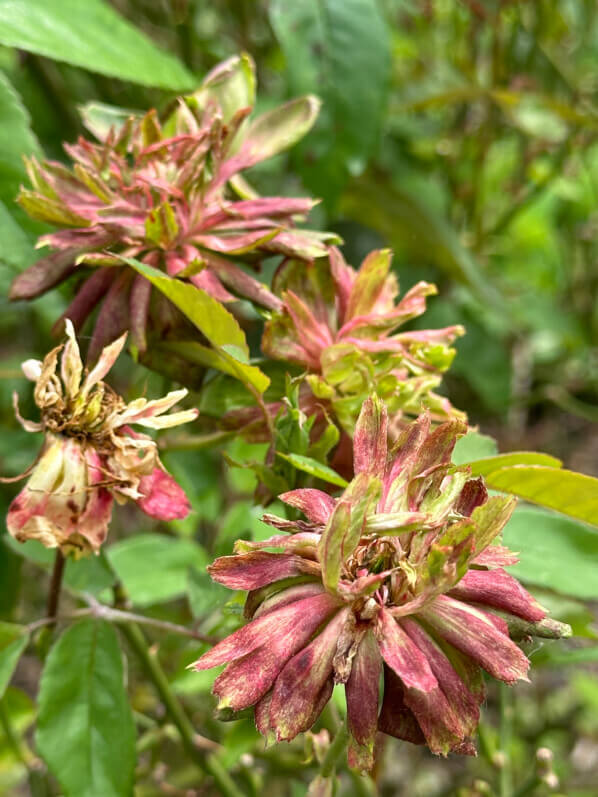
<point x="55" y="586"/>
<point x="207" y="763"/>
<point x="334" y="752"/>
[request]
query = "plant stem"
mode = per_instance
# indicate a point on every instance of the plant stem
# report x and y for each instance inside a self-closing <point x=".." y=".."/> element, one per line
<point x="207" y="763"/>
<point x="55" y="586"/>
<point x="334" y="752"/>
<point x="506" y="731"/>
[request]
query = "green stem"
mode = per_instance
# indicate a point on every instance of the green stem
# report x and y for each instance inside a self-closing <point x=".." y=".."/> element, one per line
<point x="338" y="746"/>
<point x="209" y="764"/>
<point x="506" y="732"/>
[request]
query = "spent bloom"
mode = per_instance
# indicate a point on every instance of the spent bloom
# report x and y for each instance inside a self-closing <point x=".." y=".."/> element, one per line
<point x="397" y="579"/>
<point x="170" y="194"/>
<point x="340" y="325"/>
<point x="91" y="456"/>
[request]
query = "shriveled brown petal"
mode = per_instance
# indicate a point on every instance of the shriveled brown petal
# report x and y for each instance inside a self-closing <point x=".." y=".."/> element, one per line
<point x="475" y="633"/>
<point x="473" y="494"/>
<point x="258" y="568"/>
<point x="298" y="688"/>
<point x="287" y="619"/>
<point x="496" y="588"/>
<point x="361" y="692"/>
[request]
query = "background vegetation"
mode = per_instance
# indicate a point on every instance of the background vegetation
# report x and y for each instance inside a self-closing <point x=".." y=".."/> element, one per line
<point x="465" y="136"/>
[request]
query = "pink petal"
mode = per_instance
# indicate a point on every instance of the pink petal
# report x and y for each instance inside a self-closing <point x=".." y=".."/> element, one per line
<point x="464" y="704"/>
<point x="316" y="505"/>
<point x="247" y="679"/>
<point x="396" y="719"/>
<point x="256" y="569"/>
<point x="423" y="694"/>
<point x="361" y="692"/>
<point x="163" y="497"/>
<point x="370" y="438"/>
<point x="498" y="589"/>
<point x="43" y="275"/>
<point x="299" y="685"/>
<point x="473" y="632"/>
<point x="286" y="620"/>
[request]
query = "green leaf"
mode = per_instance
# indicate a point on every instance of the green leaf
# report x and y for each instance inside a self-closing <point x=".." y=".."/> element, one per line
<point x="573" y="494"/>
<point x="217" y="324"/>
<point x="90" y="35"/>
<point x="17" y="250"/>
<point x="473" y="446"/>
<point x="340" y="50"/>
<point x="16" y="140"/>
<point x="99" y="117"/>
<point x="314" y="468"/>
<point x="204" y="594"/>
<point x="154" y="567"/>
<point x="280" y="128"/>
<point x="90" y="574"/>
<point x="85" y="729"/>
<point x="414" y="230"/>
<point x="16" y="137"/>
<point x="555" y="552"/>
<point x="223" y="361"/>
<point x="10" y="653"/>
<point x="486" y="465"/>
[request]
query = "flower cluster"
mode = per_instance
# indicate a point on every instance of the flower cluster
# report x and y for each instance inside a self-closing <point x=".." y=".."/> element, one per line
<point x="396" y="579"/>
<point x="340" y="325"/>
<point x="91" y="456"/>
<point x="171" y="195"/>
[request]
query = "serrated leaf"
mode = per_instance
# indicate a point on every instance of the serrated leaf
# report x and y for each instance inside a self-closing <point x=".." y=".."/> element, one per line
<point x="573" y="494"/>
<point x="85" y="729"/>
<point x="555" y="552"/>
<point x="90" y="35"/>
<point x="314" y="468"/>
<point x="154" y="567"/>
<point x="214" y="321"/>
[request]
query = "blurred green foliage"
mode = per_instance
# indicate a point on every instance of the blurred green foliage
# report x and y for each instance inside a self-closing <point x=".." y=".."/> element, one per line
<point x="462" y="134"/>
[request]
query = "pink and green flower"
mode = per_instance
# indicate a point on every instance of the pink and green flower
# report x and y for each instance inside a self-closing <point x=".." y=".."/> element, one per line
<point x="341" y="325"/>
<point x="398" y="579"/>
<point x="170" y="193"/>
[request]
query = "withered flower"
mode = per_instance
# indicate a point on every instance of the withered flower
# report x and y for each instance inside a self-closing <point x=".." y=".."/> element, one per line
<point x="91" y="456"/>
<point x="170" y="194"/>
<point x="396" y="579"/>
<point x="340" y="324"/>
